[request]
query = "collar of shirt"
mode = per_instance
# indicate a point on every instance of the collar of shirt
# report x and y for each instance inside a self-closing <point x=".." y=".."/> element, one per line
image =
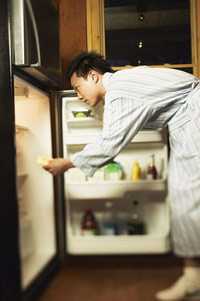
<point x="106" y="78"/>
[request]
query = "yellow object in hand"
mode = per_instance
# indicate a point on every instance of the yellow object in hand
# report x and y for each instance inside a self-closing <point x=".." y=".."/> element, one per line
<point x="43" y="160"/>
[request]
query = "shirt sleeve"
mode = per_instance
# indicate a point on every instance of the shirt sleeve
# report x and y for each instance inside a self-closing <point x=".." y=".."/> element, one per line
<point x="123" y="118"/>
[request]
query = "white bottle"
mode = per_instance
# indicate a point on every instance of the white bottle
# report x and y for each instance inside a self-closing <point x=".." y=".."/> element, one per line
<point x="109" y="223"/>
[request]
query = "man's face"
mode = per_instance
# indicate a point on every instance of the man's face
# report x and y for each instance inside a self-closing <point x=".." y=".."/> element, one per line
<point x="88" y="89"/>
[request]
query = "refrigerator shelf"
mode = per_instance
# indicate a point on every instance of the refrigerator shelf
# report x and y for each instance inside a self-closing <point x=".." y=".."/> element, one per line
<point x="71" y="98"/>
<point x="22" y="175"/>
<point x="144" y="136"/>
<point x="114" y="189"/>
<point x="119" y="244"/>
<point x="19" y="128"/>
<point x="84" y="121"/>
<point x="149" y="136"/>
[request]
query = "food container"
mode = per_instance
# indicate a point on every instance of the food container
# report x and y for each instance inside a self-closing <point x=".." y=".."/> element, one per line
<point x="113" y="171"/>
<point x="82" y="113"/>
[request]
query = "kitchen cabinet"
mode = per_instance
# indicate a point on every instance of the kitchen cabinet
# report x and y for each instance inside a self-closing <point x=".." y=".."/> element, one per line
<point x="73" y="29"/>
<point x="82" y="27"/>
<point x="163" y="33"/>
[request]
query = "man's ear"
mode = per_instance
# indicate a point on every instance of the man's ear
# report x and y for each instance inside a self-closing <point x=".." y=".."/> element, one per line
<point x="94" y="75"/>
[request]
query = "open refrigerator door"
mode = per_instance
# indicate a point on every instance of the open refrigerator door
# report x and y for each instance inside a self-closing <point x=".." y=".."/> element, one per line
<point x="126" y="191"/>
<point x="34" y="185"/>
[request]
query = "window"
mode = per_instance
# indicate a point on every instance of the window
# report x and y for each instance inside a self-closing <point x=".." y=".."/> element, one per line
<point x="150" y="32"/>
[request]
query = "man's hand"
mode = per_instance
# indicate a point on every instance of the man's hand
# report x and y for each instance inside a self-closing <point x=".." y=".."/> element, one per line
<point x="57" y="166"/>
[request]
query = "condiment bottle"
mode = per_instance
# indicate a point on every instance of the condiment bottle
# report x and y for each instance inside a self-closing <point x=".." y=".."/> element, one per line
<point x="109" y="220"/>
<point x="135" y="224"/>
<point x="152" y="173"/>
<point x="136" y="171"/>
<point x="89" y="224"/>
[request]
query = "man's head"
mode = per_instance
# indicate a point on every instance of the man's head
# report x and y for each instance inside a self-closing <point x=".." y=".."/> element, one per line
<point x="85" y="74"/>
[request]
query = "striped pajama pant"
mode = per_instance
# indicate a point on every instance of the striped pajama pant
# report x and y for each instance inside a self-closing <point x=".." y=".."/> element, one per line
<point x="184" y="176"/>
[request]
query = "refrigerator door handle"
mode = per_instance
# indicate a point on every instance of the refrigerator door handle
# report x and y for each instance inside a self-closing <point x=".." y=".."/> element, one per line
<point x="35" y="29"/>
<point x="18" y="31"/>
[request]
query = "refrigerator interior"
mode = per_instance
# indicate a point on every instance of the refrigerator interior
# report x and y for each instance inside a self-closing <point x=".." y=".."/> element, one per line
<point x="82" y="193"/>
<point x="34" y="185"/>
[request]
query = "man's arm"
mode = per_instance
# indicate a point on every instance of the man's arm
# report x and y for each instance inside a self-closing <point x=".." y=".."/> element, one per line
<point x="57" y="166"/>
<point x="123" y="118"/>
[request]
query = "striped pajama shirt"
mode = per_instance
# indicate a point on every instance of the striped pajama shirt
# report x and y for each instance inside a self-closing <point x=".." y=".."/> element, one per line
<point x="145" y="97"/>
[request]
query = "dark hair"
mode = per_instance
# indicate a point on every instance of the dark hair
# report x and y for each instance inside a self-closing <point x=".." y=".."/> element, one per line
<point x="86" y="61"/>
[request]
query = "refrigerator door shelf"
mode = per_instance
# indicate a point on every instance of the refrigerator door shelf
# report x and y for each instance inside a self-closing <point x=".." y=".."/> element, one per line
<point x="114" y="189"/>
<point x="119" y="244"/>
<point x="141" y="137"/>
<point x="22" y="175"/>
<point x="19" y="128"/>
<point x="21" y="179"/>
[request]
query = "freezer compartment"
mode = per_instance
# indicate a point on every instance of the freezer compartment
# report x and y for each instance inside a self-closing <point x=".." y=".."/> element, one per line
<point x="155" y="216"/>
<point x="34" y="185"/>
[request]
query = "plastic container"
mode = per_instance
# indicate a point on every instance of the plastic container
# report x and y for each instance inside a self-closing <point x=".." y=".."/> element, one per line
<point x="113" y="171"/>
<point x="81" y="113"/>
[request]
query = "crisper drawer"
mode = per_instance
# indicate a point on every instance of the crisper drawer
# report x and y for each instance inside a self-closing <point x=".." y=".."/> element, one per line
<point x="155" y="215"/>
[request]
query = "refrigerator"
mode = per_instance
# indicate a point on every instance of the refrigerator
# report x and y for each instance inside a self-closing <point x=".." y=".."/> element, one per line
<point x="50" y="209"/>
<point x="41" y="215"/>
<point x="40" y="117"/>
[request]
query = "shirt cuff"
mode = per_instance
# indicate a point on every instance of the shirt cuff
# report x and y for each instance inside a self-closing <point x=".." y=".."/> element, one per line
<point x="87" y="169"/>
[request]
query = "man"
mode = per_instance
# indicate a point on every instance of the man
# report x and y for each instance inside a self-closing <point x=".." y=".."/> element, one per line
<point x="148" y="97"/>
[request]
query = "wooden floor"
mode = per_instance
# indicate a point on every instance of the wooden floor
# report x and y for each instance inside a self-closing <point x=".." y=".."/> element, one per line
<point x="124" y="278"/>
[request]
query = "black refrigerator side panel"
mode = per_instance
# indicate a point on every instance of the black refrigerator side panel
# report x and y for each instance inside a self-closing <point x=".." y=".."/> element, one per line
<point x="9" y="256"/>
<point x="56" y="117"/>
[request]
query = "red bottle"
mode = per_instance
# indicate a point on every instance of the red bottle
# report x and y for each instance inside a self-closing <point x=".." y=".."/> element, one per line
<point x="89" y="224"/>
<point x="152" y="173"/>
